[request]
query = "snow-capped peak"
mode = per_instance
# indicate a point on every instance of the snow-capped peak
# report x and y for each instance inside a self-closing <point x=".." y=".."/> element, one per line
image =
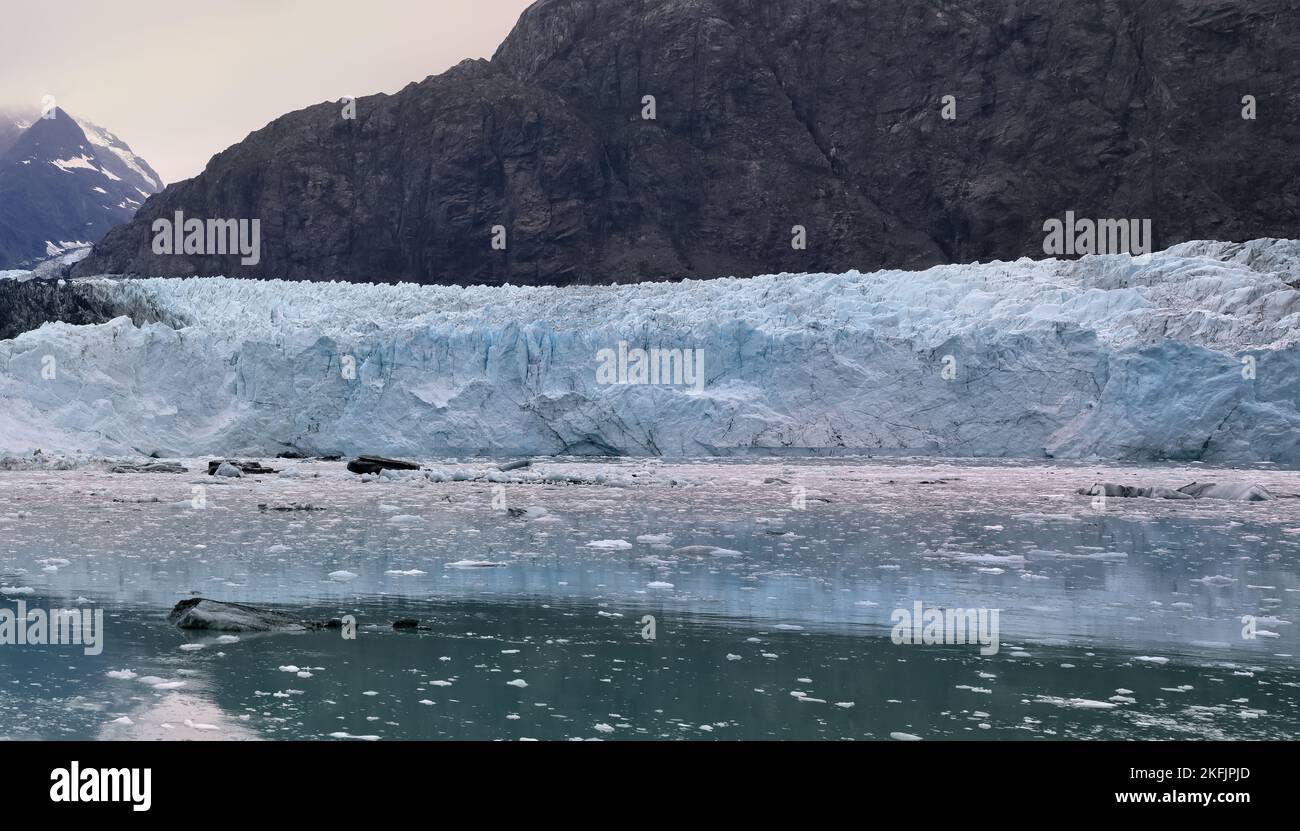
<point x="100" y="137"/>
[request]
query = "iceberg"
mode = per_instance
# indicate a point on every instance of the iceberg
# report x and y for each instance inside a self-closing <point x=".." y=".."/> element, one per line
<point x="1186" y="354"/>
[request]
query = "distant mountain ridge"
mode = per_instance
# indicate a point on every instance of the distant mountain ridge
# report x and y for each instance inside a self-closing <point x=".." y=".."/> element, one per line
<point x="771" y="116"/>
<point x="12" y="126"/>
<point x="64" y="182"/>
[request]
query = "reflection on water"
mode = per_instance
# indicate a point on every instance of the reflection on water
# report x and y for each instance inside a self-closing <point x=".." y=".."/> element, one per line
<point x="1122" y="623"/>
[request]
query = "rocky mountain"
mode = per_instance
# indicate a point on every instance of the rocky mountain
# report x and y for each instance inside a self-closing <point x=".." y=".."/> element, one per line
<point x="64" y="182"/>
<point x="770" y="114"/>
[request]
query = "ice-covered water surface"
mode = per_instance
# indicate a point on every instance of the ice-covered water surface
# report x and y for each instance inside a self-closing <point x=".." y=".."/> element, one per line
<point x="1189" y="354"/>
<point x="772" y="585"/>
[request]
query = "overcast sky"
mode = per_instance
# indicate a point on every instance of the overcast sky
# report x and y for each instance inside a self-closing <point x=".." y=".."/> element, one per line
<point x="182" y="81"/>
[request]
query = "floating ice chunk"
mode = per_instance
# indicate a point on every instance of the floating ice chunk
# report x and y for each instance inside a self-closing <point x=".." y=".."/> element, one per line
<point x="1076" y="703"/>
<point x="904" y="737"/>
<point x="474" y="564"/>
<point x="706" y="551"/>
<point x="1012" y="560"/>
<point x="658" y="584"/>
<point x="1091" y="555"/>
<point x="1151" y="659"/>
<point x="342" y="735"/>
<point x="1215" y="580"/>
<point x="414" y="572"/>
<point x="121" y="674"/>
<point x="518" y="682"/>
<point x="342" y="576"/>
<point x="195" y="725"/>
<point x="610" y="545"/>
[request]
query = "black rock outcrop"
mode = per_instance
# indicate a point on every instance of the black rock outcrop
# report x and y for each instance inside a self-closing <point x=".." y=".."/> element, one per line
<point x="28" y="304"/>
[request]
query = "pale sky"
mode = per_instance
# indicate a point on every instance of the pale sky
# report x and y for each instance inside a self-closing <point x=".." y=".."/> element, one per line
<point x="181" y="81"/>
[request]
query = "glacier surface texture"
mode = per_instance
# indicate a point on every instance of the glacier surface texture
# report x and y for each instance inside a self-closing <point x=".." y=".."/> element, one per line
<point x="1188" y="354"/>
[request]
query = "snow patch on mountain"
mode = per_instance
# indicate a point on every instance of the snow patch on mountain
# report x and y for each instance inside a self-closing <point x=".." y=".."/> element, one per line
<point x="57" y="249"/>
<point x="82" y="162"/>
<point x="1189" y="354"/>
<point x="100" y="137"/>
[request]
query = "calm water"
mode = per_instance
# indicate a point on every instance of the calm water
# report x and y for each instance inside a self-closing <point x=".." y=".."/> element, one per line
<point x="1122" y="621"/>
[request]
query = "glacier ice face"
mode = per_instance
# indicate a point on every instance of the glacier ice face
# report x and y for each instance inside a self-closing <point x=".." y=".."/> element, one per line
<point x="1110" y="356"/>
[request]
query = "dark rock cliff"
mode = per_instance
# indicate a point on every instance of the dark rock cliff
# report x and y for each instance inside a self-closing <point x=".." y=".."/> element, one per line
<point x="28" y="305"/>
<point x="770" y="114"/>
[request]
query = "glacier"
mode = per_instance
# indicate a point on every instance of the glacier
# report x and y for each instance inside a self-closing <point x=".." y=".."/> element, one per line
<point x="1187" y="354"/>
